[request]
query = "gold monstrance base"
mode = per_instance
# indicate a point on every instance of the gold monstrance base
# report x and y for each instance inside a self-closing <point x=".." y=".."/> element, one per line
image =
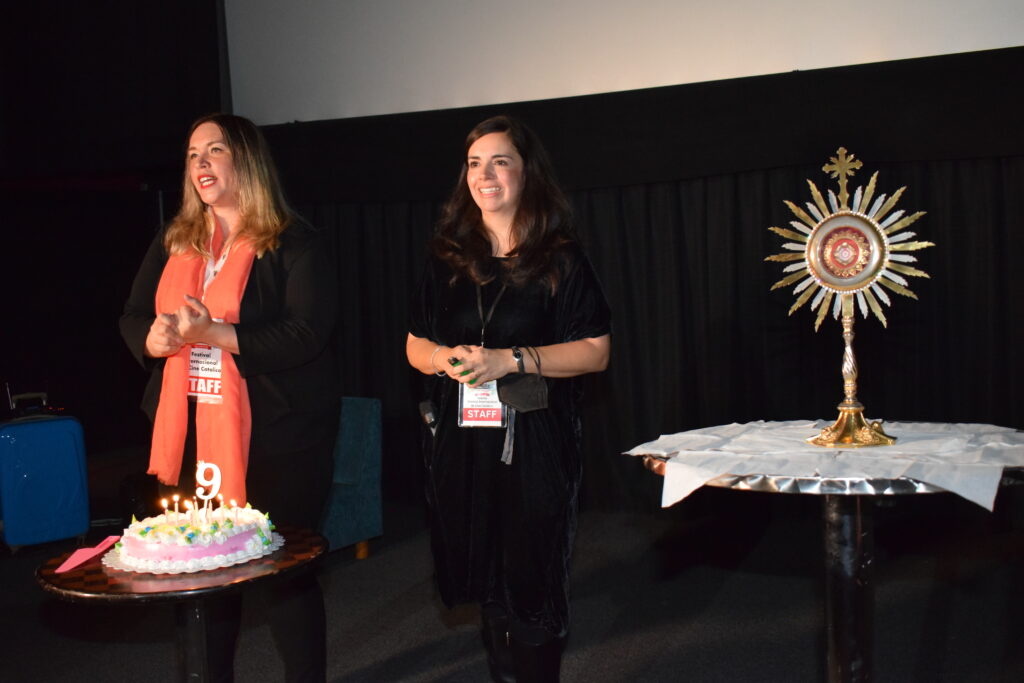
<point x="851" y="430"/>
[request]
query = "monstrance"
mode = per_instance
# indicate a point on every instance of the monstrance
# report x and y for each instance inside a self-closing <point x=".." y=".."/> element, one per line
<point x="841" y="252"/>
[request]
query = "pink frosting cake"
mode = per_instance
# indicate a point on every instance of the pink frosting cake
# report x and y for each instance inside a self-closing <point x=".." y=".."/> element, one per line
<point x="174" y="543"/>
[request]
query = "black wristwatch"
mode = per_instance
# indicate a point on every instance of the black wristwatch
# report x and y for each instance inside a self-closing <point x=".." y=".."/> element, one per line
<point x="517" y="354"/>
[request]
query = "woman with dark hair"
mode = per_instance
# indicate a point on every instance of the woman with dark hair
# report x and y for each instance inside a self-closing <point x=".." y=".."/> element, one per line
<point x="237" y="275"/>
<point x="509" y="314"/>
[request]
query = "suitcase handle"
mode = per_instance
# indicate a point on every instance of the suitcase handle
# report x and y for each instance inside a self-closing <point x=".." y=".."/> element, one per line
<point x="39" y="395"/>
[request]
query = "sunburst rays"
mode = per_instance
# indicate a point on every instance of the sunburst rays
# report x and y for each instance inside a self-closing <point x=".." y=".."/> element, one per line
<point x="842" y="249"/>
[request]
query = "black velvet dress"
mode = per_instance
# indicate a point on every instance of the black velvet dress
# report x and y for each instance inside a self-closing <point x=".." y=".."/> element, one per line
<point x="503" y="533"/>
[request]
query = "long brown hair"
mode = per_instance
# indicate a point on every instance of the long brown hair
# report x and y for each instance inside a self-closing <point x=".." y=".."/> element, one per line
<point x="261" y="204"/>
<point x="541" y="228"/>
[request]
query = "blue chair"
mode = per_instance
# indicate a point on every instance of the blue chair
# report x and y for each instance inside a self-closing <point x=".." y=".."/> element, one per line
<point x="353" y="513"/>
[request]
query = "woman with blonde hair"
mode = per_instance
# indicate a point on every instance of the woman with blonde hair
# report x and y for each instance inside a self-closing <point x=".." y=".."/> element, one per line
<point x="240" y="286"/>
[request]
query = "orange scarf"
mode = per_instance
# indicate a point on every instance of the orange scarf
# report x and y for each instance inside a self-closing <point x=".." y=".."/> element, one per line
<point x="222" y="430"/>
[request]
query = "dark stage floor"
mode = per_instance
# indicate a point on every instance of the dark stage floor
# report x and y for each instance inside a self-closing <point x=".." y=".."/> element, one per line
<point x="724" y="587"/>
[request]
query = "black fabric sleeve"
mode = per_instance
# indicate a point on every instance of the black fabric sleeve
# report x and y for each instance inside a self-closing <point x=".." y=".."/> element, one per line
<point x="582" y="308"/>
<point x="421" y="309"/>
<point x="290" y="306"/>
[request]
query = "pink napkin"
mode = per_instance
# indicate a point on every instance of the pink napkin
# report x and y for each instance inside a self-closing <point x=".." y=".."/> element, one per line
<point x="83" y="554"/>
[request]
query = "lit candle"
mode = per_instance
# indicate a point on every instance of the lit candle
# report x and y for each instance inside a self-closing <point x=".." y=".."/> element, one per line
<point x="176" y="497"/>
<point x="188" y="511"/>
<point x="234" y="505"/>
<point x="163" y="501"/>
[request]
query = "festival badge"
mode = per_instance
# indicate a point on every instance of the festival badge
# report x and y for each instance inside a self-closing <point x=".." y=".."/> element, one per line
<point x="481" y="407"/>
<point x="204" y="373"/>
<point x="845" y="254"/>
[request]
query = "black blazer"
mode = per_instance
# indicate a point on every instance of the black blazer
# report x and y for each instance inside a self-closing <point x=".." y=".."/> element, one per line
<point x="285" y="335"/>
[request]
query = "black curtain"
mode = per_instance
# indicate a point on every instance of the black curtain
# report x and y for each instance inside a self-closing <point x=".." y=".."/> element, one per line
<point x="700" y="340"/>
<point x="698" y="337"/>
<point x="675" y="189"/>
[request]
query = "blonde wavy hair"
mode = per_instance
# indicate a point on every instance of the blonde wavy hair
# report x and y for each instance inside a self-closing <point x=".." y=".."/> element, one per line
<point x="262" y="206"/>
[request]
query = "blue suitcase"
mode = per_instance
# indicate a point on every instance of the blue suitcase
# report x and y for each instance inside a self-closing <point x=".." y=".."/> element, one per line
<point x="43" y="490"/>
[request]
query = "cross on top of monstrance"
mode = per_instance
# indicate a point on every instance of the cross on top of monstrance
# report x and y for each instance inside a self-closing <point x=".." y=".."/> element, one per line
<point x="842" y="167"/>
<point x="844" y="252"/>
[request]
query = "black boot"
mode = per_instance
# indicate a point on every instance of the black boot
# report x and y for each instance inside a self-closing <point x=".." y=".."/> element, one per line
<point x="539" y="661"/>
<point x="494" y="633"/>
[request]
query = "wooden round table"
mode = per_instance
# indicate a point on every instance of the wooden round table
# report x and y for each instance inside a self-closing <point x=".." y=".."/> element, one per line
<point x="94" y="583"/>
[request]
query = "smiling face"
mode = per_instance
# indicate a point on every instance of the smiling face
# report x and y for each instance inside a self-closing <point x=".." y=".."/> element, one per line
<point x="494" y="174"/>
<point x="211" y="167"/>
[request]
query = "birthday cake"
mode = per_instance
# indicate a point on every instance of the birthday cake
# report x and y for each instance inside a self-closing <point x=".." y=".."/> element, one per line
<point x="196" y="540"/>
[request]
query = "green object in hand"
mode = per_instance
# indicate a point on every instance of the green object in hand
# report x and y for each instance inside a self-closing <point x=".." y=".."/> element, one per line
<point x="455" y="363"/>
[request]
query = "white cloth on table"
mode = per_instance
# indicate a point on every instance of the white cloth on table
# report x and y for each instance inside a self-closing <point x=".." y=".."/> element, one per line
<point x="966" y="459"/>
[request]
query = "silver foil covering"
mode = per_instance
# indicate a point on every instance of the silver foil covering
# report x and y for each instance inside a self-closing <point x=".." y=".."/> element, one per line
<point x="820" y="486"/>
<point x="853" y="486"/>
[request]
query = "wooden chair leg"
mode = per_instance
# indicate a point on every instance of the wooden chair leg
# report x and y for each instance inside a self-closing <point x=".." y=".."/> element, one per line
<point x="362" y="550"/>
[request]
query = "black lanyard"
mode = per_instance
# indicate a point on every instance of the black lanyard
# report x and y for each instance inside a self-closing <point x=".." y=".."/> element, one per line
<point x="480" y="310"/>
